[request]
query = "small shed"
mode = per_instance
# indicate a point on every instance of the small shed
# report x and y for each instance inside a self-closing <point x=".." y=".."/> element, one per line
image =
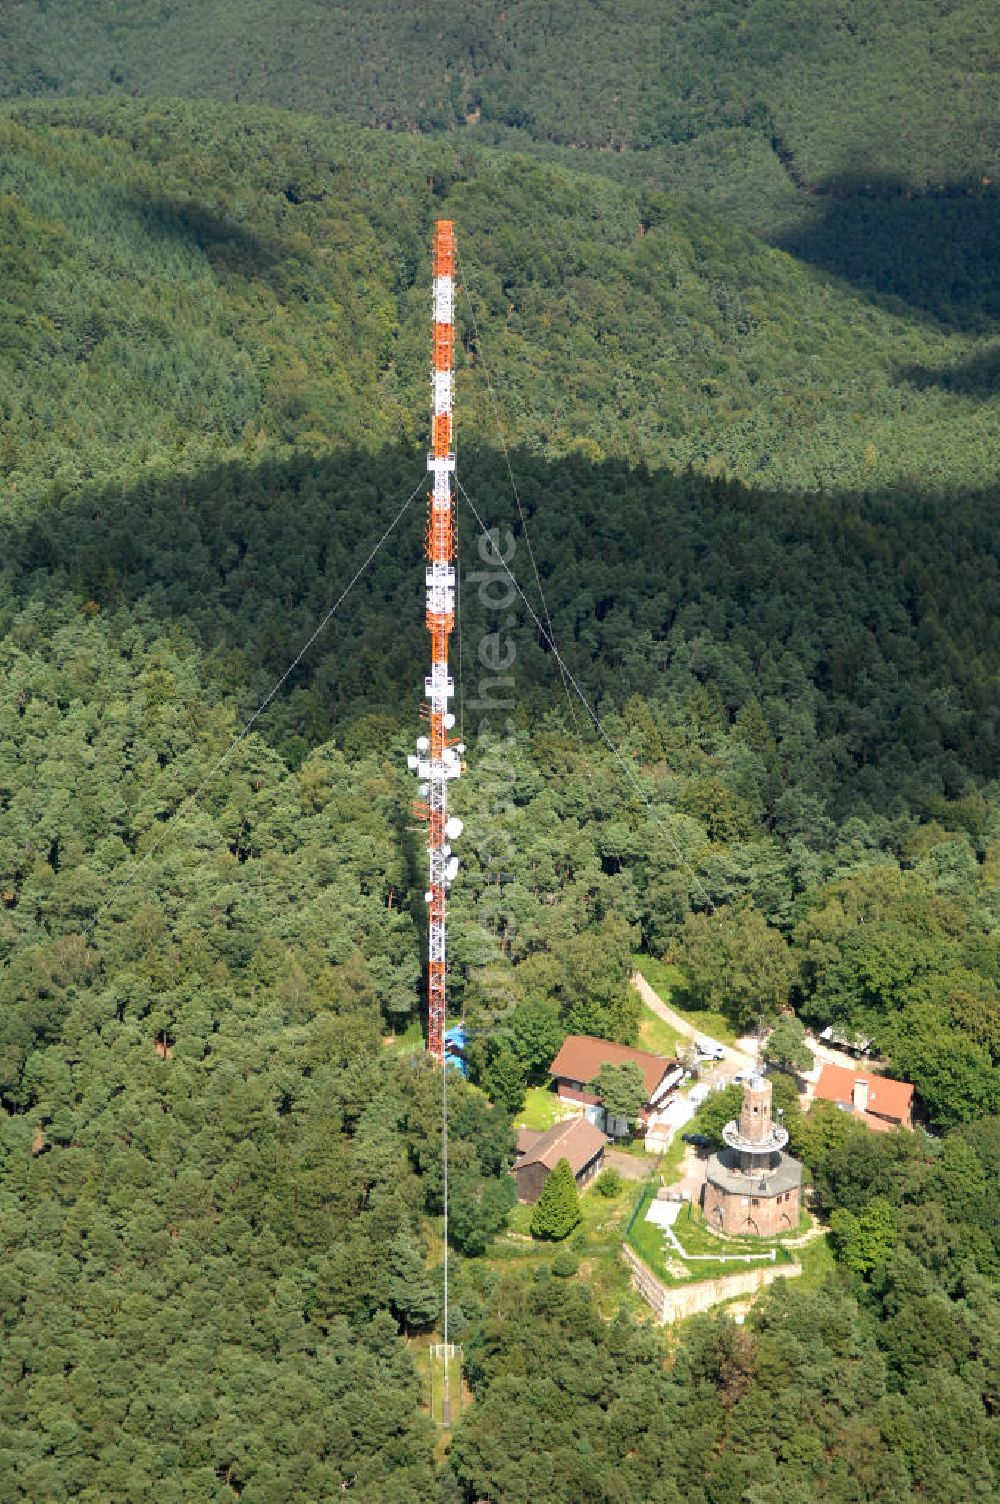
<point x="576" y="1140"/>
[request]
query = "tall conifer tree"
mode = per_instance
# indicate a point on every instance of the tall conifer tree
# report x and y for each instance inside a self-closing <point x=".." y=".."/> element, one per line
<point x="557" y="1210"/>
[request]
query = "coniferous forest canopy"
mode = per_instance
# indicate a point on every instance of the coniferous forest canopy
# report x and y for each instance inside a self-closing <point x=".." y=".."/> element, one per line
<point x="729" y="277"/>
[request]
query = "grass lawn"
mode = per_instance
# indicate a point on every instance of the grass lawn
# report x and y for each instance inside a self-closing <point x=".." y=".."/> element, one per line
<point x="601" y="1219"/>
<point x="596" y="1243"/>
<point x="649" y="1243"/>
<point x="519" y="1220"/>
<point x="672" y="1159"/>
<point x="817" y="1262"/>
<point x="695" y="1236"/>
<point x="542" y="1108"/>
<point x="668" y="981"/>
<point x="409" y="1042"/>
<point x="657" y="1036"/>
<point x="635" y="1148"/>
<point x="661" y="975"/>
<point x="430" y="1367"/>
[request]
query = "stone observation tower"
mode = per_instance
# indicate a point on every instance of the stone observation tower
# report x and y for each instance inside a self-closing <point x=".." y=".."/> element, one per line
<point x="751" y="1185"/>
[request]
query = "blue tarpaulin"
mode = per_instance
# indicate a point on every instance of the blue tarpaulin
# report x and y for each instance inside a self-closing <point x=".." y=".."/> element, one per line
<point x="454" y="1047"/>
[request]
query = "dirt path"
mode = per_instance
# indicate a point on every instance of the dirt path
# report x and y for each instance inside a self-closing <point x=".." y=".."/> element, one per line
<point x="743" y="1056"/>
<point x="738" y="1059"/>
<point x="629" y="1166"/>
<point x="692" y="1175"/>
<point x="810" y="1236"/>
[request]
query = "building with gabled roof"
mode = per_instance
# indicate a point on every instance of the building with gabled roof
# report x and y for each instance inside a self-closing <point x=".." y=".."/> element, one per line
<point x="878" y="1101"/>
<point x="580" y="1059"/>
<point x="574" y="1139"/>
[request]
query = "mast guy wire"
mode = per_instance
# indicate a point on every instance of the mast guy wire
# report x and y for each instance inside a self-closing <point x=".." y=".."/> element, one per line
<point x="241" y="736"/>
<point x="513" y="485"/>
<point x="591" y="712"/>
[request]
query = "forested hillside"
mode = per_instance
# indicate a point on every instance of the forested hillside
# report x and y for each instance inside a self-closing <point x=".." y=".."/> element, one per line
<point x="216" y="1178"/>
<point x="859" y="88"/>
<point x="861" y="136"/>
<point x="761" y="491"/>
<point x="184" y="282"/>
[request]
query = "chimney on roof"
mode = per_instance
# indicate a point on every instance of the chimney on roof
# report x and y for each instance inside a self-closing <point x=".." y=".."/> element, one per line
<point x="859" y="1097"/>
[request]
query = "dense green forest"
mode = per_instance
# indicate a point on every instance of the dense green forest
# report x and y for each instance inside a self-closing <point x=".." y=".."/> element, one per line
<point x="216" y="1177"/>
<point x="255" y="283"/>
<point x="734" y="300"/>
<point x="861" y="136"/>
<point x="861" y="87"/>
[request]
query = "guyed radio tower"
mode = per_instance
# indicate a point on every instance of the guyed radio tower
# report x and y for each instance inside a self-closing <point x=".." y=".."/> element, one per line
<point x="438" y="757"/>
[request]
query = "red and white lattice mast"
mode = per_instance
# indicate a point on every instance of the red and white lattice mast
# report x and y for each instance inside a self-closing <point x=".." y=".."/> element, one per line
<point x="438" y="758"/>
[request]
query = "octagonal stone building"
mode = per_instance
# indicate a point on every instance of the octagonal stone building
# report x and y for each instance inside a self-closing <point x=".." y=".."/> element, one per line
<point x="752" y="1187"/>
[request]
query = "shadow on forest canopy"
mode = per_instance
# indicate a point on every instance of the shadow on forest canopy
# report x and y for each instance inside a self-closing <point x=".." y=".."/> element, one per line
<point x="228" y="245"/>
<point x="936" y="250"/>
<point x="977" y="376"/>
<point x="840" y="613"/>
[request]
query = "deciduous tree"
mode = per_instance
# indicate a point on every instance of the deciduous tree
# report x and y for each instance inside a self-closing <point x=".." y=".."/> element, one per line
<point x="622" y="1090"/>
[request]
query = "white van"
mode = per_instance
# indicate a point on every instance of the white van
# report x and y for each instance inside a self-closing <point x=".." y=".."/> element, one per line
<point x="708" y="1049"/>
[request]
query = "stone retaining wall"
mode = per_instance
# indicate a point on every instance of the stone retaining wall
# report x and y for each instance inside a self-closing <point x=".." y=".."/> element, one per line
<point x="671" y="1302"/>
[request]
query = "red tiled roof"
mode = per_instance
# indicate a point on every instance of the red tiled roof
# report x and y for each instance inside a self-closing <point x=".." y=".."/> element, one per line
<point x="576" y="1139"/>
<point x="886" y="1098"/>
<point x="527" y="1138"/>
<point x="581" y="1058"/>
